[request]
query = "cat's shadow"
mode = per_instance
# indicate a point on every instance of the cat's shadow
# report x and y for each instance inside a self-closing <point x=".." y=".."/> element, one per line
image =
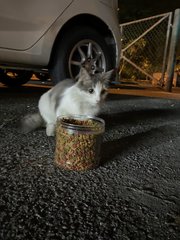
<point x="115" y="148"/>
<point x="118" y="145"/>
<point x="133" y="117"/>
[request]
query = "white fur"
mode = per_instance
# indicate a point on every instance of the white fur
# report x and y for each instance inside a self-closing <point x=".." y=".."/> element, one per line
<point x="69" y="98"/>
<point x="77" y="102"/>
<point x="73" y="102"/>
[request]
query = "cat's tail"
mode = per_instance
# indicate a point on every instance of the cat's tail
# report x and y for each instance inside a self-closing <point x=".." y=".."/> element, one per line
<point x="31" y="122"/>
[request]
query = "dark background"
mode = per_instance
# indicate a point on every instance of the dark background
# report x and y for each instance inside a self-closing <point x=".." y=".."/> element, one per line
<point x="137" y="9"/>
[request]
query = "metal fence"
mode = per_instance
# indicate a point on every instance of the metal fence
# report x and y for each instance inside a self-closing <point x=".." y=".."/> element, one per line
<point x="145" y="48"/>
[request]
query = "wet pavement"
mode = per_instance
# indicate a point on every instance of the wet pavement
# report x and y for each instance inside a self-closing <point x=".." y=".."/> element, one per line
<point x="134" y="194"/>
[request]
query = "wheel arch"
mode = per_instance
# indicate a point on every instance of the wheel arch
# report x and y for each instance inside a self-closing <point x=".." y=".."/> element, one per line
<point x="88" y="21"/>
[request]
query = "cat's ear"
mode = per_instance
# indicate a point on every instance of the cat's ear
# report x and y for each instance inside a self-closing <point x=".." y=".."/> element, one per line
<point x="107" y="76"/>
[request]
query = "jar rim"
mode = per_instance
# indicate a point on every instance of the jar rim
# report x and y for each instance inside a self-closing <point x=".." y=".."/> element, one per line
<point x="100" y="127"/>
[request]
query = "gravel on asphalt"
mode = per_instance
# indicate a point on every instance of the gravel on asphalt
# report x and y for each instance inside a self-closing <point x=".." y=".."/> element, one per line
<point x="134" y="194"/>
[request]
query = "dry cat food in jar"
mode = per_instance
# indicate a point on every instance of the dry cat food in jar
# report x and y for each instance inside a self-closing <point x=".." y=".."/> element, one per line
<point x="78" y="142"/>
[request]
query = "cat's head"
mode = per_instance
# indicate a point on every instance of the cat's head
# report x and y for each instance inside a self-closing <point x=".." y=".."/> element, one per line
<point x="94" y="87"/>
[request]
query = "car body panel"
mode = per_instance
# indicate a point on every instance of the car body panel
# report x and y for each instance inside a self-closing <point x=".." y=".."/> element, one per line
<point x="23" y="23"/>
<point x="37" y="51"/>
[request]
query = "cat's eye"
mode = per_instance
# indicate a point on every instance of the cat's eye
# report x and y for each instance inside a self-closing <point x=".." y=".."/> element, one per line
<point x="91" y="90"/>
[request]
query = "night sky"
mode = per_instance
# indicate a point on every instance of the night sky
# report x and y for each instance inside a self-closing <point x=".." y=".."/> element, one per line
<point x="137" y="9"/>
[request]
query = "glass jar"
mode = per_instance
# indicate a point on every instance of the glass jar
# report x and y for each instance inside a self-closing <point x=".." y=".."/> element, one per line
<point x="78" y="142"/>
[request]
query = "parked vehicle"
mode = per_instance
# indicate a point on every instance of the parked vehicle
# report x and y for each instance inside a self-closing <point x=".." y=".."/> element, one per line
<point x="57" y="36"/>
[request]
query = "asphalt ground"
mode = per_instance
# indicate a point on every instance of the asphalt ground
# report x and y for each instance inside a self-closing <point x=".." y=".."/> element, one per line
<point x="134" y="194"/>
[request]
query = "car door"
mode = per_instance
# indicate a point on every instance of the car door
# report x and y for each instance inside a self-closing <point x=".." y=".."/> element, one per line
<point x="23" y="23"/>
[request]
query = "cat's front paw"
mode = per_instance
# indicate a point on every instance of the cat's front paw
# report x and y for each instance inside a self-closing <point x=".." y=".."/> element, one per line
<point x="50" y="130"/>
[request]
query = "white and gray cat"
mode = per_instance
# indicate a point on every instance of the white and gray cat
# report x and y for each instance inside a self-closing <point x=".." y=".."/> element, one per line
<point x="68" y="97"/>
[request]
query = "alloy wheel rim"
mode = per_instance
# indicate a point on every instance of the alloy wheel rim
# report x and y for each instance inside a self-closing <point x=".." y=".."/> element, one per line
<point x="89" y="54"/>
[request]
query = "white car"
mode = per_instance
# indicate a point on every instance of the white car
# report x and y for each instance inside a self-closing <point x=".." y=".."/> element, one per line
<point x="58" y="36"/>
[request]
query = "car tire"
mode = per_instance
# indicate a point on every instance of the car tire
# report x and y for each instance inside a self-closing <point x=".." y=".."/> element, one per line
<point x="14" y="78"/>
<point x="83" y="46"/>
